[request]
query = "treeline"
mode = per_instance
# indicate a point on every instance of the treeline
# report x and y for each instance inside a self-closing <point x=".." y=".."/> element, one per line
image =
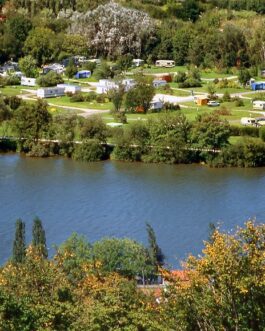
<point x="169" y="138"/>
<point x="93" y="287"/>
<point x="200" y="33"/>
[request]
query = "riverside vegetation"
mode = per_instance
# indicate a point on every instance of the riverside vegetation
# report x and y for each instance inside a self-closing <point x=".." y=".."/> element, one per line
<point x="171" y="138"/>
<point x="88" y="286"/>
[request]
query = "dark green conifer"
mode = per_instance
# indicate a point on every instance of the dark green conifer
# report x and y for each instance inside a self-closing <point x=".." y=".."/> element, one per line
<point x="19" y="244"/>
<point x="39" y="237"/>
<point x="155" y="251"/>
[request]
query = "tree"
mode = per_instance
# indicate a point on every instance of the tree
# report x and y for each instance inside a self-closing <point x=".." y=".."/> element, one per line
<point x="28" y="66"/>
<point x="244" y="76"/>
<point x="93" y="127"/>
<point x="190" y="10"/>
<point x="140" y="96"/>
<point x="52" y="78"/>
<point x="39" y="238"/>
<point x="103" y="71"/>
<point x="112" y="30"/>
<point x="16" y="30"/>
<point x="71" y="69"/>
<point x="124" y="256"/>
<point x="209" y="131"/>
<point x="156" y="254"/>
<point x="42" y="44"/>
<point x="116" y="96"/>
<point x="30" y="121"/>
<point x="224" y="288"/>
<point x="19" y="244"/>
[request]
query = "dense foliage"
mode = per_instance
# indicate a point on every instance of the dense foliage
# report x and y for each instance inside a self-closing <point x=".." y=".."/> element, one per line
<point x="204" y="33"/>
<point x="93" y="286"/>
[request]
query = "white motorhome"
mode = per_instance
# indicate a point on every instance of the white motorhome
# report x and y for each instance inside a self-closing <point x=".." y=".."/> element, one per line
<point x="26" y="81"/>
<point x="259" y="105"/>
<point x="69" y="88"/>
<point x="248" y="121"/>
<point x="50" y="92"/>
<point x="165" y="63"/>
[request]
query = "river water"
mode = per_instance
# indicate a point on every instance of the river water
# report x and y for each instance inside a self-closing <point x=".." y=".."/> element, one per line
<point x="116" y="199"/>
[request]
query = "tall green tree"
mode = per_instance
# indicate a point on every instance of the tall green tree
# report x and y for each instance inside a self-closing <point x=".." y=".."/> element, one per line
<point x="156" y="254"/>
<point x="31" y="120"/>
<point x="39" y="237"/>
<point x="19" y="244"/>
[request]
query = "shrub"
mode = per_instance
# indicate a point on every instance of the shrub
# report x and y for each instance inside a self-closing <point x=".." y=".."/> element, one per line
<point x="262" y="133"/>
<point x="180" y="77"/>
<point x="50" y="79"/>
<point x="78" y="97"/>
<point x="222" y="111"/>
<point x="250" y="131"/>
<point x="226" y="97"/>
<point x="101" y="98"/>
<point x="239" y="102"/>
<point x="171" y="106"/>
<point x="91" y="96"/>
<point x="13" y="80"/>
<point x="190" y="82"/>
<point x="90" y="150"/>
<point x="248" y="153"/>
<point x="120" y="117"/>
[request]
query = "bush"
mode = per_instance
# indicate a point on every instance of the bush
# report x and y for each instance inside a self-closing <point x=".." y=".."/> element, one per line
<point x="250" y="131"/>
<point x="248" y="153"/>
<point x="50" y="79"/>
<point x="171" y="106"/>
<point x="120" y="117"/>
<point x="239" y="102"/>
<point x="91" y="96"/>
<point x="262" y="133"/>
<point x="13" y="80"/>
<point x="180" y="77"/>
<point x="226" y="97"/>
<point x="78" y="97"/>
<point x="101" y="98"/>
<point x="90" y="150"/>
<point x="190" y="82"/>
<point x="222" y="111"/>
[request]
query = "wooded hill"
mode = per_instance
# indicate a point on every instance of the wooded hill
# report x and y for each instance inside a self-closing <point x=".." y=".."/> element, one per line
<point x="203" y="33"/>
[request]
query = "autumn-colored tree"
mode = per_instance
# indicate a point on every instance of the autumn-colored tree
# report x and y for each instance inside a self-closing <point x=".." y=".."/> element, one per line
<point x="226" y="286"/>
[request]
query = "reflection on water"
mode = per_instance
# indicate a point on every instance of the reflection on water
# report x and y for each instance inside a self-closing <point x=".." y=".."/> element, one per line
<point x="116" y="199"/>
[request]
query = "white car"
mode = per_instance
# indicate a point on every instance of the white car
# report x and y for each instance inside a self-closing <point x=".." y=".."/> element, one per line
<point x="213" y="103"/>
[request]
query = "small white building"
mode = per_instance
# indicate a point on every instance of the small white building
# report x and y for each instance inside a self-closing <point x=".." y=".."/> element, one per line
<point x="259" y="104"/>
<point x="50" y="92"/>
<point x="156" y="105"/>
<point x="165" y="63"/>
<point x="26" y="81"/>
<point x="159" y="83"/>
<point x="69" y="88"/>
<point x="137" y="62"/>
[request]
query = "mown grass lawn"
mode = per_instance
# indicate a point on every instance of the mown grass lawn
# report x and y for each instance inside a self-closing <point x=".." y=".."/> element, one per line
<point x="65" y="101"/>
<point x="15" y="90"/>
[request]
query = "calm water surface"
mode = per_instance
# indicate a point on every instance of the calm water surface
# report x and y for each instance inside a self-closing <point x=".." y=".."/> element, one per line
<point x="116" y="199"/>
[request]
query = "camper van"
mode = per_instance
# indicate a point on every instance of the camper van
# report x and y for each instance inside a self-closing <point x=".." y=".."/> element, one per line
<point x="165" y="63"/>
<point x="248" y="121"/>
<point x="260" y="105"/>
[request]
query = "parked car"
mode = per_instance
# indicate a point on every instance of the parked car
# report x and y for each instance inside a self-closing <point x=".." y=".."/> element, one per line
<point x="213" y="103"/>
